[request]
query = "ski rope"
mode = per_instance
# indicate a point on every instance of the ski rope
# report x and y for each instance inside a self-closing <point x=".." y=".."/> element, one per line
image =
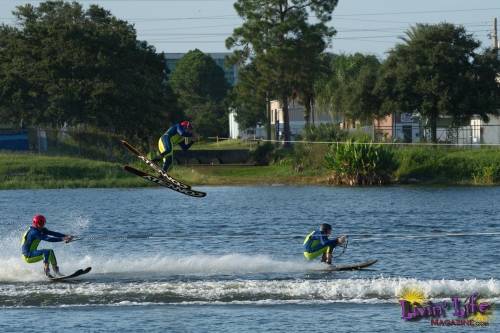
<point x="344" y="247"/>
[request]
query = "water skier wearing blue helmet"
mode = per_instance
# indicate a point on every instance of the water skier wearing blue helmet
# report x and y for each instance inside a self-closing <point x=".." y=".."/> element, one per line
<point x="317" y="243"/>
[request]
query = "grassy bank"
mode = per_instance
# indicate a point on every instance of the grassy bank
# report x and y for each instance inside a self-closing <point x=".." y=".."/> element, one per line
<point x="303" y="166"/>
<point x="38" y="171"/>
<point x="246" y="175"/>
<point x="448" y="166"/>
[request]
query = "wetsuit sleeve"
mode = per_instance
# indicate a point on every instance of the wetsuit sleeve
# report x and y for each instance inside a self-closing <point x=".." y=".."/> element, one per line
<point x="51" y="236"/>
<point x="185" y="146"/>
<point x="182" y="132"/>
<point x="53" y="233"/>
<point x="325" y="241"/>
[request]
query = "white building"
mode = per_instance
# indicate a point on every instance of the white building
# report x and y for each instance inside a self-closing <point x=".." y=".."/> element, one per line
<point x="235" y="132"/>
<point x="296" y="117"/>
<point x="485" y="132"/>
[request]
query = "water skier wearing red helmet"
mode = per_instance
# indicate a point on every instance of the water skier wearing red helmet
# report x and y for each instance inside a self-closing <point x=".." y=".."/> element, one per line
<point x="31" y="238"/>
<point x="177" y="134"/>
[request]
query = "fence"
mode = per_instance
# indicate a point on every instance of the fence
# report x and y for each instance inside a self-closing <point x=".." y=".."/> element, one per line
<point x="463" y="135"/>
<point x="104" y="146"/>
<point x="90" y="144"/>
<point x="100" y="145"/>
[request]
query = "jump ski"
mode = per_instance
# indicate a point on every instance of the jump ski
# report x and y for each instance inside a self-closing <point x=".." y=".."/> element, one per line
<point x="75" y="274"/>
<point x="154" y="165"/>
<point x="349" y="267"/>
<point x="164" y="182"/>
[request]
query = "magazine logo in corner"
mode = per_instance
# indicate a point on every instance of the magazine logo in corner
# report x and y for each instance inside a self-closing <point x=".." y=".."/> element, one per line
<point x="457" y="311"/>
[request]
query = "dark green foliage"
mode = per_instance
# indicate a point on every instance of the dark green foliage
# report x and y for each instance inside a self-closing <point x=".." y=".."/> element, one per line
<point x="201" y="89"/>
<point x="67" y="65"/>
<point x="349" y="88"/>
<point x="324" y="132"/>
<point x="360" y="163"/>
<point x="263" y="153"/>
<point x="249" y="97"/>
<point x="437" y="71"/>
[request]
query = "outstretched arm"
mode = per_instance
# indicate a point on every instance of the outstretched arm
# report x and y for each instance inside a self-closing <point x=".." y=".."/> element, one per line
<point x="186" y="146"/>
<point x="52" y="239"/>
<point x="53" y="233"/>
<point x="330" y="242"/>
<point x="53" y="236"/>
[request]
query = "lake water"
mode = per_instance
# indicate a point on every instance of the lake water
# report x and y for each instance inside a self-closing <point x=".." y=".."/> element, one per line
<point x="232" y="262"/>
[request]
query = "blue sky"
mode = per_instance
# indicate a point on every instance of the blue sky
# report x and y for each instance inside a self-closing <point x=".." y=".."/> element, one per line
<point x="367" y="26"/>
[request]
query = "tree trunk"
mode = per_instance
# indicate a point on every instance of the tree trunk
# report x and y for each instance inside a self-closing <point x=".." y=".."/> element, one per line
<point x="286" y="120"/>
<point x="307" y="111"/>
<point x="433" y="123"/>
<point x="312" y="108"/>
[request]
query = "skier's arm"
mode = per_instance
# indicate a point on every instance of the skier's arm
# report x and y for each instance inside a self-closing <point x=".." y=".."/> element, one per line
<point x="185" y="146"/>
<point x="182" y="132"/>
<point x="54" y="233"/>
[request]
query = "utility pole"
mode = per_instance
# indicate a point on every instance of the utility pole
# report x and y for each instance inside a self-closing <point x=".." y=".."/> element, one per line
<point x="494" y="36"/>
<point x="268" y="109"/>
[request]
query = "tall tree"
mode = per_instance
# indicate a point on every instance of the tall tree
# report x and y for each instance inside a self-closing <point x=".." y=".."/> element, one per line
<point x="438" y="71"/>
<point x="67" y="65"/>
<point x="313" y="65"/>
<point x="274" y="34"/>
<point x="249" y="97"/>
<point x="347" y="92"/>
<point x="201" y="89"/>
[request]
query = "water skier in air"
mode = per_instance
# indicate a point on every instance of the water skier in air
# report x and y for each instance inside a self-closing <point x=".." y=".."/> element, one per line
<point x="31" y="239"/>
<point x="177" y="134"/>
<point x="317" y="243"/>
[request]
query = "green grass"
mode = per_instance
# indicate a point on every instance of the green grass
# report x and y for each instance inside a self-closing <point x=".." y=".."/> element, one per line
<point x="38" y="171"/>
<point x="25" y="170"/>
<point x="225" y="144"/>
<point x="304" y="166"/>
<point x="449" y="166"/>
<point x="243" y="175"/>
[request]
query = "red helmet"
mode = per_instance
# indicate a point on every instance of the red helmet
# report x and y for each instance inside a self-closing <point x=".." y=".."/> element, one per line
<point x="186" y="124"/>
<point x="38" y="221"/>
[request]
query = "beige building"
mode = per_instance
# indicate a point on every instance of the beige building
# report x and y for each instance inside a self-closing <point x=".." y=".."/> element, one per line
<point x="296" y="113"/>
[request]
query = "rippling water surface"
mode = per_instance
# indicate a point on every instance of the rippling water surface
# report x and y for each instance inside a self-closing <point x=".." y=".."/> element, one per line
<point x="233" y="261"/>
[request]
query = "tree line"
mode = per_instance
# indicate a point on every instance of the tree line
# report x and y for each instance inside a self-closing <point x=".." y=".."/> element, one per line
<point x="63" y="65"/>
<point x="436" y="70"/>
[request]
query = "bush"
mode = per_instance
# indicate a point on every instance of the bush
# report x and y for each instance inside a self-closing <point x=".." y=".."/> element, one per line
<point x="263" y="153"/>
<point x="360" y="164"/>
<point x="324" y="132"/>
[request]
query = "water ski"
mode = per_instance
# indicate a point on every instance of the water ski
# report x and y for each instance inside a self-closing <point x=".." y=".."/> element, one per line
<point x="165" y="183"/>
<point x="153" y="165"/>
<point x="349" y="267"/>
<point x="75" y="274"/>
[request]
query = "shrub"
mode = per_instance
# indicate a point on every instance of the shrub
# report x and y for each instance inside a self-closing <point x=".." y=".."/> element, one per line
<point x="360" y="164"/>
<point x="324" y="132"/>
<point x="262" y="154"/>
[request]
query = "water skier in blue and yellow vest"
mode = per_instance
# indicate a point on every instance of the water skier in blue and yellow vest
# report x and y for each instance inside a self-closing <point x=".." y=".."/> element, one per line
<point x="177" y="134"/>
<point x="31" y="239"/>
<point x="317" y="243"/>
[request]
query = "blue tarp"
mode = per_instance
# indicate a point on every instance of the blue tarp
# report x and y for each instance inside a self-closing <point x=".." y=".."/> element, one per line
<point x="14" y="141"/>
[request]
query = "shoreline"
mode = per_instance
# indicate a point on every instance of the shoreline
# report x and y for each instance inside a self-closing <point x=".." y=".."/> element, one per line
<point x="22" y="171"/>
